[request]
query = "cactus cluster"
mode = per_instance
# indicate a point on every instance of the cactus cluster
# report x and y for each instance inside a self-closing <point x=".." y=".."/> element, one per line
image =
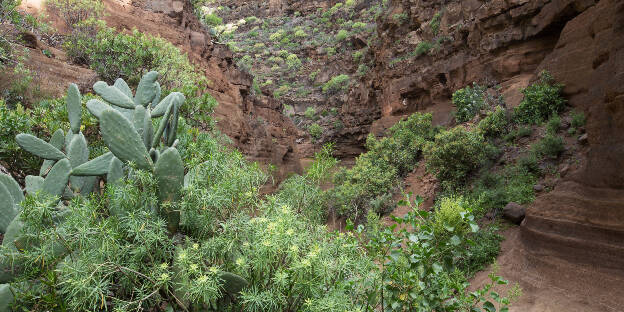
<point x="127" y="129"/>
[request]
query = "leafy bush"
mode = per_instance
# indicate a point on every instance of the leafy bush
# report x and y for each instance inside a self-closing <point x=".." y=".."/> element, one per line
<point x="283" y="89"/>
<point x="550" y="146"/>
<point x="494" y="124"/>
<point x="541" y="100"/>
<point x="246" y="62"/>
<point x="377" y="172"/>
<point x="449" y="217"/>
<point x="300" y="33"/>
<point x="362" y="70"/>
<point x="423" y="48"/>
<point x="357" y="56"/>
<point x="402" y="147"/>
<point x="75" y="11"/>
<point x="129" y="56"/>
<point x="421" y="267"/>
<point x="293" y="62"/>
<point x="454" y="154"/>
<point x="469" y="101"/>
<point x="303" y="194"/>
<point x="290" y="263"/>
<point x="520" y="132"/>
<point x="212" y="19"/>
<point x="553" y="124"/>
<point x="342" y="35"/>
<point x="578" y="119"/>
<point x="336" y="83"/>
<point x="400" y="18"/>
<point x="315" y="131"/>
<point x="310" y="112"/>
<point x="435" y="23"/>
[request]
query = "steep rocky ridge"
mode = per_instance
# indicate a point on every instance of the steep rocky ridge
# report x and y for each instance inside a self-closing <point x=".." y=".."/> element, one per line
<point x="578" y="227"/>
<point x="268" y="139"/>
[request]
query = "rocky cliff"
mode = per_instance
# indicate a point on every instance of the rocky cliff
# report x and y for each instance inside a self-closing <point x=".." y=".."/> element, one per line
<point x="256" y="126"/>
<point x="576" y="232"/>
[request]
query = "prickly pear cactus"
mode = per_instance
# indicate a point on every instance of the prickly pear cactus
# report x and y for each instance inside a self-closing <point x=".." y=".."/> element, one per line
<point x="127" y="129"/>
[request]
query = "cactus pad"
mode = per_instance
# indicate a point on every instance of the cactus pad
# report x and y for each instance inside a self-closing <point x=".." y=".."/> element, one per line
<point x="8" y="211"/>
<point x="123" y="87"/>
<point x="56" y="181"/>
<point x="112" y="95"/>
<point x="96" y="107"/>
<point x="33" y="184"/>
<point x="147" y="89"/>
<point x="95" y="167"/>
<point x="38" y="147"/>
<point x="78" y="154"/>
<point x="12" y="187"/>
<point x="74" y="107"/>
<point x="115" y="170"/>
<point x="123" y="140"/>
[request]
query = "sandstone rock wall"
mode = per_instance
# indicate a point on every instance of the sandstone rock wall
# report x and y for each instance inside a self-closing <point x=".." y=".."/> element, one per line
<point x="507" y="43"/>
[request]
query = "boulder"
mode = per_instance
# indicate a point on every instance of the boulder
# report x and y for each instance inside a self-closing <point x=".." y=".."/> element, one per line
<point x="514" y="212"/>
<point x="583" y="139"/>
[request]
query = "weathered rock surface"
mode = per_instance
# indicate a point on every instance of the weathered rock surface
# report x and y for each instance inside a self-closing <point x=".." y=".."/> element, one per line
<point x="256" y="126"/>
<point x="514" y="212"/>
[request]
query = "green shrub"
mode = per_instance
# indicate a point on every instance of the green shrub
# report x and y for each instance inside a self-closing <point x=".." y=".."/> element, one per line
<point x="336" y="83"/>
<point x="362" y="69"/>
<point x="246" y="62"/>
<point x="283" y="53"/>
<point x="358" y="26"/>
<point x="578" y="119"/>
<point x="529" y="163"/>
<point x="129" y="56"/>
<point x="434" y="24"/>
<point x="402" y="147"/>
<point x="357" y="56"/>
<point x="448" y="218"/>
<point x="330" y="51"/>
<point x="469" y="101"/>
<point x="422" y="264"/>
<point x="312" y="75"/>
<point x="454" y="154"/>
<point x="310" y="112"/>
<point x="212" y="19"/>
<point x="520" y="132"/>
<point x="342" y="35"/>
<point x="423" y="48"/>
<point x="553" y="124"/>
<point x="494" y="124"/>
<point x="75" y="11"/>
<point x="541" y="100"/>
<point x="290" y="263"/>
<point x="283" y="89"/>
<point x="277" y="36"/>
<point x="376" y="173"/>
<point x="550" y="146"/>
<point x="400" y="18"/>
<point x="300" y="33"/>
<point x="293" y="62"/>
<point x="315" y="131"/>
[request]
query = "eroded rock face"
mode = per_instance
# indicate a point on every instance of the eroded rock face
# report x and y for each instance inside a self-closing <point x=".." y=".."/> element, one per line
<point x="507" y="43"/>
<point x="256" y="126"/>
<point x="494" y="43"/>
